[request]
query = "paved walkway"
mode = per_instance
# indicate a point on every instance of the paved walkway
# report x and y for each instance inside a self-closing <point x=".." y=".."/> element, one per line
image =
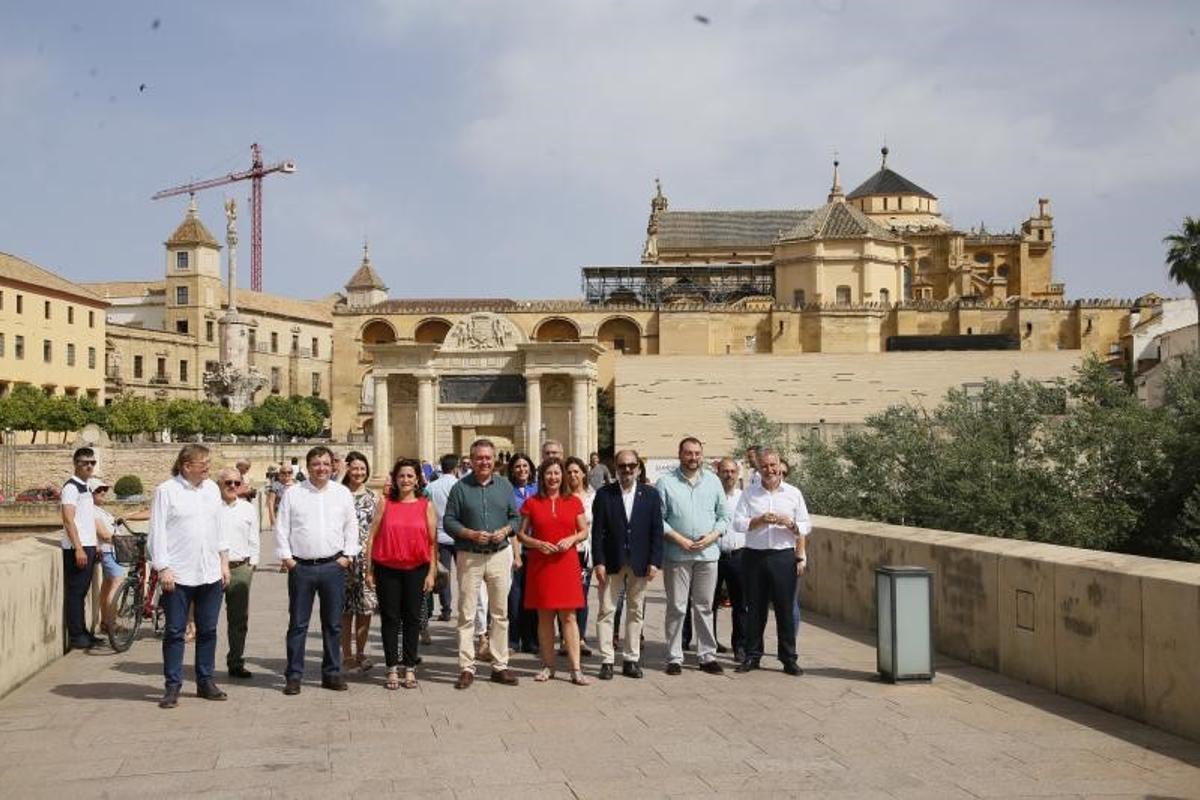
<point x="89" y="726"/>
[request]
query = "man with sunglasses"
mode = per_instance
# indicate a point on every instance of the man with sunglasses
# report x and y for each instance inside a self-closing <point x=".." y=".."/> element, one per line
<point x="79" y="546"/>
<point x="239" y="529"/>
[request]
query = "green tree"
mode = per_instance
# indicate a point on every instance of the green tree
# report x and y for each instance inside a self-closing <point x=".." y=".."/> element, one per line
<point x="752" y="427"/>
<point x="301" y="419"/>
<point x="1183" y="260"/>
<point x="62" y="414"/>
<point x="26" y="409"/>
<point x="605" y="424"/>
<point x="216" y="420"/>
<point x="129" y="415"/>
<point x="270" y="418"/>
<point x="1171" y="526"/>
<point x="93" y="412"/>
<point x="183" y="417"/>
<point x="319" y="405"/>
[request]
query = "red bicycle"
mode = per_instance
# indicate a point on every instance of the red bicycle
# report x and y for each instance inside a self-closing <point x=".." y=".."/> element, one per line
<point x="138" y="597"/>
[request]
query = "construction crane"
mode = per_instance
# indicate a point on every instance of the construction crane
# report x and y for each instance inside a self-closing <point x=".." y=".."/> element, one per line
<point x="254" y="175"/>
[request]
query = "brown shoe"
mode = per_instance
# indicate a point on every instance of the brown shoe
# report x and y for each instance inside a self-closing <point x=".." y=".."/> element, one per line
<point x="465" y="679"/>
<point x="483" y="650"/>
<point x="504" y="676"/>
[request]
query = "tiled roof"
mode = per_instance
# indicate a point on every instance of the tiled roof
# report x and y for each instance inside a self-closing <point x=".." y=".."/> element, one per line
<point x="366" y="278"/>
<point x="447" y="304"/>
<point x="839" y="220"/>
<point x="19" y="269"/>
<point x="191" y="232"/>
<point x="886" y="181"/>
<point x="697" y="230"/>
<point x="309" y="310"/>
<point x="126" y="288"/>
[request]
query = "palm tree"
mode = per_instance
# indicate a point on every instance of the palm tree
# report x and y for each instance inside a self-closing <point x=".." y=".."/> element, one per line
<point x="1183" y="261"/>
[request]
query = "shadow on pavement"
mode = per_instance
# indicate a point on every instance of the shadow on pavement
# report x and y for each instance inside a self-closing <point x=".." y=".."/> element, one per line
<point x="108" y="691"/>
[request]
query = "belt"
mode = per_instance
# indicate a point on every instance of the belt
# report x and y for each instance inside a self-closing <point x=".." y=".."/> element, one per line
<point x="236" y="564"/>
<point x="316" y="562"/>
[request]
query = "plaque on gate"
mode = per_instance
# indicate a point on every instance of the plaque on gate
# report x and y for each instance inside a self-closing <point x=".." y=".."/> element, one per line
<point x="481" y="389"/>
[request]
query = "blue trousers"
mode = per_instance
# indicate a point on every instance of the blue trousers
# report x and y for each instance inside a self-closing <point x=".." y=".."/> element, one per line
<point x="206" y="600"/>
<point x="78" y="584"/>
<point x="327" y="581"/>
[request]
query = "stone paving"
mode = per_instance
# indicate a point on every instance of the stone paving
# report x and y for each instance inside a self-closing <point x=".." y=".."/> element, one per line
<point x="89" y="726"/>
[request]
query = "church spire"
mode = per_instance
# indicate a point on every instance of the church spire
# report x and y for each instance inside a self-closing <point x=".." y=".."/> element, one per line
<point x="835" y="191"/>
<point x="883" y="151"/>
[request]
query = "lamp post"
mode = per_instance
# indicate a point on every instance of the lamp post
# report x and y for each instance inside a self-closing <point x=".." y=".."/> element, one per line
<point x="904" y="609"/>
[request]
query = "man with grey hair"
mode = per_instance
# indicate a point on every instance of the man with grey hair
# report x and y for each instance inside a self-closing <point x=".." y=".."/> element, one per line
<point x="729" y="566"/>
<point x="240" y="530"/>
<point x="552" y="448"/>
<point x="775" y="518"/>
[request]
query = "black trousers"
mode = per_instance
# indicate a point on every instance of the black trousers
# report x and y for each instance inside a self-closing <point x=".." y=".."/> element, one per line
<point x="729" y="574"/>
<point x="446" y="558"/>
<point x="401" y="605"/>
<point x="770" y="577"/>
<point x="78" y="582"/>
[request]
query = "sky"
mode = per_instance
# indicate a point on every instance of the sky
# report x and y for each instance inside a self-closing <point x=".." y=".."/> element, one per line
<point x="491" y="149"/>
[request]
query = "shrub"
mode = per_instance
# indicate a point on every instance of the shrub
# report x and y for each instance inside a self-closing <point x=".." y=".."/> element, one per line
<point x="128" y="486"/>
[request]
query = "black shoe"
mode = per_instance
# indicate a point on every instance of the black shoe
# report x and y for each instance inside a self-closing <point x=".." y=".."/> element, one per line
<point x="738" y="654"/>
<point x="240" y="672"/>
<point x="792" y="668"/>
<point x="584" y="650"/>
<point x="631" y="669"/>
<point x="674" y="669"/>
<point x="688" y="646"/>
<point x="170" y="697"/>
<point x="722" y="648"/>
<point x="712" y="668"/>
<point x="96" y="641"/>
<point x="81" y="643"/>
<point x="747" y="665"/>
<point x="210" y="691"/>
<point x="292" y="686"/>
<point x="444" y="616"/>
<point x="606" y="672"/>
<point x="335" y="683"/>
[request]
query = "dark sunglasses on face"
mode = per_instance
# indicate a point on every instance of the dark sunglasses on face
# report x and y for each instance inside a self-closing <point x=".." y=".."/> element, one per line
<point x="627" y="466"/>
<point x="86" y="462"/>
<point x="231" y="484"/>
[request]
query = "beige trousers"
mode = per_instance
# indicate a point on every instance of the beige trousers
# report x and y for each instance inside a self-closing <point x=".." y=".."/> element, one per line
<point x="635" y="596"/>
<point x="494" y="570"/>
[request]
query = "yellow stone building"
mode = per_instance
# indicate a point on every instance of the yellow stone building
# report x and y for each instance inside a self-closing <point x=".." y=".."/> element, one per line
<point x="51" y="332"/>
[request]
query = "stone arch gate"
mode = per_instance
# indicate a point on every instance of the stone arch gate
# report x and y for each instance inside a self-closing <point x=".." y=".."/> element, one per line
<point x="485" y="378"/>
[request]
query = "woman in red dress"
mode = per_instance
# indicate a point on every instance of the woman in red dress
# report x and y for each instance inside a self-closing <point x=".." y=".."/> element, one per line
<point x="553" y="523"/>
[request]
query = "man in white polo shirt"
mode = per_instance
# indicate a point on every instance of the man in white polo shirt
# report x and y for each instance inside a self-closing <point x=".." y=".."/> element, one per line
<point x="316" y="536"/>
<point x="239" y="527"/>
<point x="775" y="518"/>
<point x="79" y="546"/>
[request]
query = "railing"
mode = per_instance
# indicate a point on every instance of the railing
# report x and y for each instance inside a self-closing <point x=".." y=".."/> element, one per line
<point x="160" y="379"/>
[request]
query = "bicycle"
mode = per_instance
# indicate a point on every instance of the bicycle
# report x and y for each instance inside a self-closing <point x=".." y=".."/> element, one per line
<point x="138" y="597"/>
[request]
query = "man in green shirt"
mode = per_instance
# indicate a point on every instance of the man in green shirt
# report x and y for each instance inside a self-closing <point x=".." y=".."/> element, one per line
<point x="694" y="518"/>
<point x="481" y="515"/>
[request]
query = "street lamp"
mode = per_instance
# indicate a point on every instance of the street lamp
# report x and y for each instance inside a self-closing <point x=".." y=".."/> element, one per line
<point x="904" y="609"/>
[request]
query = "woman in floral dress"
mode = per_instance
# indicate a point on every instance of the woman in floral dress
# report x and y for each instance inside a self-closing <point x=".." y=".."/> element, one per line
<point x="360" y="598"/>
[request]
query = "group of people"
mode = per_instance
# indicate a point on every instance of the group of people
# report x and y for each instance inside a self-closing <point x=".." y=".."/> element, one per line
<point x="524" y="549"/>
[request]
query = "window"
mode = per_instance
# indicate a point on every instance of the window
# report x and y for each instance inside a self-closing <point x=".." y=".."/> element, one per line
<point x="751" y="344"/>
<point x="208" y="330"/>
<point x="253" y="340"/>
<point x="91" y="358"/>
<point x="885" y="297"/>
<point x="46" y="309"/>
<point x="274" y="342"/>
<point x="181" y="295"/>
<point x="295" y="344"/>
<point x="20" y="304"/>
<point x="210" y="366"/>
<point x="181" y="326"/>
<point x="19" y="347"/>
<point x="885" y="201"/>
<point x="1" y="345"/>
<point x="47" y="351"/>
<point x="619" y="344"/>
<point x="137" y="366"/>
<point x="843" y="295"/>
<point x="314" y="347"/>
<point x="1041" y="235"/>
<point x="275" y="380"/>
<point x="316" y="384"/>
<point x="70" y="315"/>
<point x="183" y="370"/>
<point x="181" y="260"/>
<point x="70" y="355"/>
<point x="1" y="299"/>
<point x="798" y="298"/>
<point x="161" y="372"/>
<point x="91" y="319"/>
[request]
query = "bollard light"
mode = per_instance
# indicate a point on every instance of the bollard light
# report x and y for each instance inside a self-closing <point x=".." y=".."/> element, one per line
<point x="904" y="609"/>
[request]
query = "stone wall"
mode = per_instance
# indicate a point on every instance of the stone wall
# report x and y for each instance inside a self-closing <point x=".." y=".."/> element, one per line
<point x="1119" y="632"/>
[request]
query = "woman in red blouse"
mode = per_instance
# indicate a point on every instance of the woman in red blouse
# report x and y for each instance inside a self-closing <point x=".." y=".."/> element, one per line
<point x="400" y="565"/>
<point x="553" y="523"/>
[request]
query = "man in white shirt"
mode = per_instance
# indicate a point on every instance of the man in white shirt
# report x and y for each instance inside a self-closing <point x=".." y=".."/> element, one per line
<point x="775" y="518"/>
<point x="439" y="493"/>
<point x="729" y="565"/>
<point x="239" y="528"/>
<point x="192" y="561"/>
<point x="78" y="546"/>
<point x="316" y="536"/>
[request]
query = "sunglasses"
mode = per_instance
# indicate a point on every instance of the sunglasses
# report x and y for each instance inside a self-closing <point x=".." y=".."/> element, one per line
<point x="627" y="466"/>
<point x="86" y="462"/>
<point x="231" y="484"/>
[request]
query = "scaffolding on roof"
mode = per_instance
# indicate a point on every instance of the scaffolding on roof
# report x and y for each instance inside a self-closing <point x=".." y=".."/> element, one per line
<point x="661" y="284"/>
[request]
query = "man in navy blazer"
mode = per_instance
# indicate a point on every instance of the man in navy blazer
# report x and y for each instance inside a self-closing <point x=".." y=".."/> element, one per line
<point x="627" y="550"/>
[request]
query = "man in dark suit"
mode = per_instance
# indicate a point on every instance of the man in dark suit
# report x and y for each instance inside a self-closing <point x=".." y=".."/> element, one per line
<point x="627" y="549"/>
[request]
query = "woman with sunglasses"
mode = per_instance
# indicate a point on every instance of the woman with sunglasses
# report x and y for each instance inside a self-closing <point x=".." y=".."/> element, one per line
<point x="360" y="597"/>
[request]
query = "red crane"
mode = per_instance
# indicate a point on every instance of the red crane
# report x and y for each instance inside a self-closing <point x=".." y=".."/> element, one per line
<point x="254" y="175"/>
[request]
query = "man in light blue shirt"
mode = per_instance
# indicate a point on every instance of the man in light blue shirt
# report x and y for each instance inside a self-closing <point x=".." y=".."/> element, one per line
<point x="694" y="518"/>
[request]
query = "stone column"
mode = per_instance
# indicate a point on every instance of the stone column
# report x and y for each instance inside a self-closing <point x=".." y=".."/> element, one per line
<point x="580" y="417"/>
<point x="425" y="422"/>
<point x="533" y="415"/>
<point x="381" y="426"/>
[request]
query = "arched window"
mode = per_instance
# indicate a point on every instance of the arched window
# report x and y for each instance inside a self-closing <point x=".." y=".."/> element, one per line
<point x="885" y="297"/>
<point x="620" y="334"/>
<point x="432" y="331"/>
<point x="557" y="329"/>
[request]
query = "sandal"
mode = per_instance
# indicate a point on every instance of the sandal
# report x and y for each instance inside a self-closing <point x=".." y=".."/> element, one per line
<point x="364" y="663"/>
<point x="546" y="674"/>
<point x="410" y="679"/>
<point x="393" y="678"/>
<point x="579" y="679"/>
<point x="350" y="662"/>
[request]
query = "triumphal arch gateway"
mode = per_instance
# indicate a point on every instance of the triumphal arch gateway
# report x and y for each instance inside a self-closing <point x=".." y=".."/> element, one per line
<point x="484" y="379"/>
